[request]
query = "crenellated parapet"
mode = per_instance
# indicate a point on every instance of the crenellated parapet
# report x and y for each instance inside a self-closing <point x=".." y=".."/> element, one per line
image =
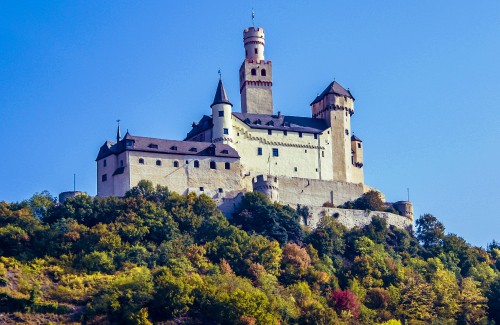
<point x="405" y="208"/>
<point x="269" y="185"/>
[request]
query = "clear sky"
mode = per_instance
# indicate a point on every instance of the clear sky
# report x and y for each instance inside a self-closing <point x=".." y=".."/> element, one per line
<point x="425" y="75"/>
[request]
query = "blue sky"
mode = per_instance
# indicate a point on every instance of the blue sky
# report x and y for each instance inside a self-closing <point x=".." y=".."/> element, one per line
<point x="425" y="75"/>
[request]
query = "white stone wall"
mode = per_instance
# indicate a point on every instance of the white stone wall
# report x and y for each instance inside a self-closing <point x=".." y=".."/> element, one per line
<point x="114" y="185"/>
<point x="356" y="218"/>
<point x="310" y="156"/>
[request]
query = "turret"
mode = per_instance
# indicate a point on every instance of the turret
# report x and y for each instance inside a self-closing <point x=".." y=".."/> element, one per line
<point x="256" y="77"/>
<point x="221" y="115"/>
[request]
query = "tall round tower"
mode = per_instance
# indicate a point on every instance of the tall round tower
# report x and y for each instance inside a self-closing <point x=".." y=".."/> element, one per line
<point x="254" y="41"/>
<point x="221" y="115"/>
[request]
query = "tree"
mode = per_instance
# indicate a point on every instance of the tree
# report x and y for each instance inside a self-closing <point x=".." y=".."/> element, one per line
<point x="493" y="295"/>
<point x="430" y="232"/>
<point x="473" y="303"/>
<point x="345" y="301"/>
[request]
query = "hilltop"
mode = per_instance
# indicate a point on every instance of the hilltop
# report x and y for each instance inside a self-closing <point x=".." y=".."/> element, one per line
<point x="158" y="257"/>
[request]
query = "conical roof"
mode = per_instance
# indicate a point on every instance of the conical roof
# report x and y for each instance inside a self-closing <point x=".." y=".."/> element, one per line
<point x="220" y="95"/>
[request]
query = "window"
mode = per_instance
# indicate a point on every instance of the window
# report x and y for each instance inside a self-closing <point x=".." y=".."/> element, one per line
<point x="352" y="160"/>
<point x="259" y="151"/>
<point x="227" y="165"/>
<point x="285" y="132"/>
<point x="153" y="146"/>
<point x="221" y="190"/>
<point x="315" y="136"/>
<point x="196" y="164"/>
<point x="300" y="134"/>
<point x="295" y="168"/>
<point x="176" y="164"/>
<point x="226" y="131"/>
<point x="346" y="132"/>
<point x="255" y="50"/>
<point x="258" y="122"/>
<point x="263" y="72"/>
<point x="201" y="188"/>
<point x="359" y="145"/>
<point x="193" y="149"/>
<point x="141" y="161"/>
<point x="104" y="163"/>
<point x="254" y="72"/>
<point x="104" y="177"/>
<point x="121" y="163"/>
<point x="158" y="163"/>
<point x="224" y="151"/>
<point x="213" y="165"/>
<point x="173" y="148"/>
<point x="322" y="154"/>
<point x="221" y="113"/>
<point x="275" y="152"/>
<point x="269" y="132"/>
<point x="305" y="151"/>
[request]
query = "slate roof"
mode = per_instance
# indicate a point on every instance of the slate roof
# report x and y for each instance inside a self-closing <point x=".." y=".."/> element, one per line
<point x="282" y="122"/>
<point x="144" y="144"/>
<point x="204" y="124"/>
<point x="220" y="95"/>
<point x="355" y="138"/>
<point x="333" y="88"/>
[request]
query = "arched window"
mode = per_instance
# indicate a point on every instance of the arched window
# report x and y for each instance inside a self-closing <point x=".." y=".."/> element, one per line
<point x="141" y="161"/>
<point x="196" y="164"/>
<point x="263" y="72"/>
<point x="254" y="72"/>
<point x="213" y="165"/>
<point x="176" y="164"/>
<point x="158" y="163"/>
<point x="227" y="165"/>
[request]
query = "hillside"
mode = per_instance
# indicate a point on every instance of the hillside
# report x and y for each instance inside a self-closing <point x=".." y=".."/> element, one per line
<point x="159" y="257"/>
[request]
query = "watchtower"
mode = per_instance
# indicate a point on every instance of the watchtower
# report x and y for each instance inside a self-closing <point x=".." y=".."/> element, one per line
<point x="256" y="75"/>
<point x="221" y="117"/>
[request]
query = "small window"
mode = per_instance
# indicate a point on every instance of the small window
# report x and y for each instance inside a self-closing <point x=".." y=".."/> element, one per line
<point x="225" y="151"/>
<point x="121" y="163"/>
<point x="270" y="132"/>
<point x="259" y="151"/>
<point x="305" y="151"/>
<point x="246" y="52"/>
<point x="153" y="146"/>
<point x="176" y="164"/>
<point x="104" y="177"/>
<point x="315" y="136"/>
<point x="213" y="165"/>
<point x="285" y="132"/>
<point x="193" y="149"/>
<point x="196" y="164"/>
<point x="256" y="51"/>
<point x="275" y="152"/>
<point x="352" y="160"/>
<point x="227" y="165"/>
<point x="300" y="134"/>
<point x="258" y="122"/>
<point x="359" y="145"/>
<point x="263" y="72"/>
<point x="254" y="72"/>
<point x="226" y="131"/>
<point x="295" y="168"/>
<point x="346" y="132"/>
<point x="104" y="163"/>
<point x="221" y="190"/>
<point x="322" y="154"/>
<point x="202" y="189"/>
<point x="221" y="113"/>
<point x="141" y="161"/>
<point x="173" y="148"/>
<point x="158" y="163"/>
<point x="238" y="134"/>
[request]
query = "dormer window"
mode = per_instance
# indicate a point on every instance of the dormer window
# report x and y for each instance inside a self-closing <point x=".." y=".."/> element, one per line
<point x="258" y="122"/>
<point x="173" y="148"/>
<point x="129" y="143"/>
<point x="193" y="149"/>
<point x="247" y="121"/>
<point x="270" y="123"/>
<point x="153" y="146"/>
<point x="225" y="151"/>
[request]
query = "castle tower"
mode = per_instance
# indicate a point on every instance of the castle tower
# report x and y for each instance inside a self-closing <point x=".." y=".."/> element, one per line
<point x="269" y="185"/>
<point x="336" y="105"/>
<point x="221" y="115"/>
<point x="256" y="75"/>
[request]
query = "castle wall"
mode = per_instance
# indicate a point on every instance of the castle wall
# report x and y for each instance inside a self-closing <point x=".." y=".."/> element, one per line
<point x="303" y="157"/>
<point x="357" y="218"/>
<point x="118" y="184"/>
<point x="216" y="183"/>
<point x="312" y="192"/>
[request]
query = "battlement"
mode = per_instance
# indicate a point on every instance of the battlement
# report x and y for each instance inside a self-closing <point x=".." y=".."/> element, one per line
<point x="252" y="32"/>
<point x="255" y="61"/>
<point x="405" y="208"/>
<point x="269" y="185"/>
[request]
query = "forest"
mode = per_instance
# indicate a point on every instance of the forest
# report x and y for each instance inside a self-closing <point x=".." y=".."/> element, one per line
<point x="157" y="257"/>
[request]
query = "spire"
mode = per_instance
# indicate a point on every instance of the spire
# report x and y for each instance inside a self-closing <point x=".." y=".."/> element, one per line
<point x="220" y="95"/>
<point x="118" y="134"/>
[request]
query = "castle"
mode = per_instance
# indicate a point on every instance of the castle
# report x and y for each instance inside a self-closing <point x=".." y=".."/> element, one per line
<point x="315" y="161"/>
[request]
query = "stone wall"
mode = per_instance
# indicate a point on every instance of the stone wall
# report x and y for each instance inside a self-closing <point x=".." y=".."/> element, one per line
<point x="357" y="218"/>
